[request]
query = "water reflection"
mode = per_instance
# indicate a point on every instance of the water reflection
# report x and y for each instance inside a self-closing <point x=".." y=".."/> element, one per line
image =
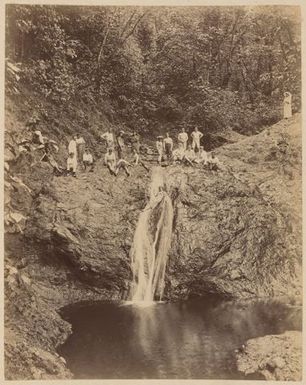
<point x="194" y="339"/>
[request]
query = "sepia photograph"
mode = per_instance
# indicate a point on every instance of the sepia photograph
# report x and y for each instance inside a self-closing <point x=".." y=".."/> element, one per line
<point x="152" y="192"/>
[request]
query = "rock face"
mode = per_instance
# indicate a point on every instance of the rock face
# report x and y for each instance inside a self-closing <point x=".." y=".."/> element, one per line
<point x="88" y="224"/>
<point x="236" y="233"/>
<point x="276" y="357"/>
<point x="230" y="237"/>
<point x="228" y="240"/>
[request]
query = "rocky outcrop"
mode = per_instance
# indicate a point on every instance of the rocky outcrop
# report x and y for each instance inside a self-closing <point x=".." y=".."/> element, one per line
<point x="232" y="235"/>
<point x="236" y="233"/>
<point x="87" y="224"/>
<point x="276" y="357"/>
<point x="33" y="333"/>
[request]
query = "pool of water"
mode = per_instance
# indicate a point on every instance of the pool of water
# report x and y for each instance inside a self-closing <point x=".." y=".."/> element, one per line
<point x="195" y="339"/>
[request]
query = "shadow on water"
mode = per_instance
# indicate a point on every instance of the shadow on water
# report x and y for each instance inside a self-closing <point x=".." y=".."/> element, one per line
<point x="193" y="339"/>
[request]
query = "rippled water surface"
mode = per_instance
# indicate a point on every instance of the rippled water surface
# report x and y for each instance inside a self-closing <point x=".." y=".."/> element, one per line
<point x="195" y="339"/>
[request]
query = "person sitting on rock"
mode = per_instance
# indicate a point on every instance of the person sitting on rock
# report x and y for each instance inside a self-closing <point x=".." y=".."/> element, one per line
<point x="37" y="137"/>
<point x="57" y="170"/>
<point x="189" y="156"/>
<point x="49" y="147"/>
<point x="88" y="160"/>
<point x="71" y="164"/>
<point x="178" y="153"/>
<point x="110" y="161"/>
<point x="122" y="164"/>
<point x="114" y="166"/>
<point x="201" y="156"/>
<point x="160" y="148"/>
<point x="168" y="146"/>
<point x="213" y="162"/>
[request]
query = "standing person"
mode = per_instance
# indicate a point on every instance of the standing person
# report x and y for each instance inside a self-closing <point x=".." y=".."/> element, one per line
<point x="120" y="145"/>
<point x="72" y="149"/>
<point x="160" y="148"/>
<point x="135" y="157"/>
<point x="168" y="146"/>
<point x="196" y="138"/>
<point x="80" y="142"/>
<point x="110" y="160"/>
<point x="287" y="105"/>
<point x="72" y="146"/>
<point x="109" y="138"/>
<point x="135" y="140"/>
<point x="71" y="164"/>
<point x="183" y="138"/>
<point x="87" y="160"/>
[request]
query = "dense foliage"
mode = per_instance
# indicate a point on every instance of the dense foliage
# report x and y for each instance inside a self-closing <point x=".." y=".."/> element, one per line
<point x="154" y="68"/>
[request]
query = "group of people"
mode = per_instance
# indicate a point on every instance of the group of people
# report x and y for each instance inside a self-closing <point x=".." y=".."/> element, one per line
<point x="118" y="144"/>
<point x="188" y="153"/>
<point x="117" y="156"/>
<point x="34" y="142"/>
<point x="78" y="154"/>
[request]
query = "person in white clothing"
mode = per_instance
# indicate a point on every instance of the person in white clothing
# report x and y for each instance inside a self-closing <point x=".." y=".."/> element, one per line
<point x="160" y="149"/>
<point x="72" y="146"/>
<point x="201" y="156"/>
<point x="178" y="153"/>
<point x="213" y="162"/>
<point x="196" y="138"/>
<point x="87" y="160"/>
<point x="71" y="164"/>
<point x="183" y="138"/>
<point x="38" y="138"/>
<point x="189" y="155"/>
<point x="109" y="138"/>
<point x="287" y="105"/>
<point x="168" y="146"/>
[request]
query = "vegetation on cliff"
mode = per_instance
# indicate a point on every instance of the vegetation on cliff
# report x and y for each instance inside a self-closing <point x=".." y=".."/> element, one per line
<point x="150" y="67"/>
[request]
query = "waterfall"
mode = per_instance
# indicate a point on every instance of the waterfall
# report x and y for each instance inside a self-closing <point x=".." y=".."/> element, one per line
<point x="152" y="240"/>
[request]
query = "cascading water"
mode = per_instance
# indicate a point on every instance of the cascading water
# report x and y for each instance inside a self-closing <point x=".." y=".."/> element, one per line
<point x="152" y="240"/>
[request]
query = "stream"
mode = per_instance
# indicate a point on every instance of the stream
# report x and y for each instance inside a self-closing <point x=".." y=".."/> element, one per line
<point x="194" y="339"/>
